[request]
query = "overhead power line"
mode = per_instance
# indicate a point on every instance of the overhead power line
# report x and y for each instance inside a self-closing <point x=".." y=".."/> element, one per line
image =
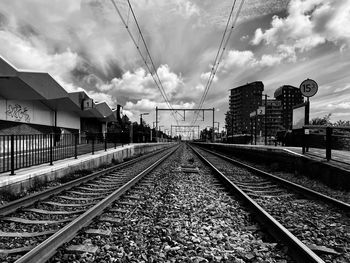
<point x="221" y="50"/>
<point x="152" y="70"/>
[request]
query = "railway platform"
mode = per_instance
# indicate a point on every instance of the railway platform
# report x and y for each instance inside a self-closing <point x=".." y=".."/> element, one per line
<point x="313" y="163"/>
<point x="339" y="159"/>
<point x="25" y="178"/>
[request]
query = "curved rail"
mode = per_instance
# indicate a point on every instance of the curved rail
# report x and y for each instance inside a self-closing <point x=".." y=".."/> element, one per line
<point x="301" y="253"/>
<point x="46" y="249"/>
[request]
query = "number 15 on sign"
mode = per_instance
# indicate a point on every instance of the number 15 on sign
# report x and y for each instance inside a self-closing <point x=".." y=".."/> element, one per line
<point x="308" y="88"/>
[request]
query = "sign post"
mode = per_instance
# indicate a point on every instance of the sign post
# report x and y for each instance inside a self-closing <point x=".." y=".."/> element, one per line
<point x="308" y="88"/>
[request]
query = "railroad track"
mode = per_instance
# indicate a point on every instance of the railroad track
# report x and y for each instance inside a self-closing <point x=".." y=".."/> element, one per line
<point x="40" y="223"/>
<point x="305" y="220"/>
<point x="178" y="213"/>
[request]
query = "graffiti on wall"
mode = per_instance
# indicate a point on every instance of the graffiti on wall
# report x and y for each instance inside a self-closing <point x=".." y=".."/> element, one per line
<point x="18" y="113"/>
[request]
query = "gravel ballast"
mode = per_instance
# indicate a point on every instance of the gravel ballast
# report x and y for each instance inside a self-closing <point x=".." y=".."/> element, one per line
<point x="175" y="216"/>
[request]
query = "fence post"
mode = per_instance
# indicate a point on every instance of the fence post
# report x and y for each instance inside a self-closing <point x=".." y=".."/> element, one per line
<point x="303" y="139"/>
<point x="105" y="142"/>
<point x="328" y="143"/>
<point x="12" y="154"/>
<point x="93" y="145"/>
<point x="51" y="149"/>
<point x="76" y="146"/>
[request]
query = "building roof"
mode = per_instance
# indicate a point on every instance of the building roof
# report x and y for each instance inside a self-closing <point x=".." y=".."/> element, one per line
<point x="27" y="85"/>
<point x="278" y="92"/>
<point x="250" y="84"/>
<point x="6" y="69"/>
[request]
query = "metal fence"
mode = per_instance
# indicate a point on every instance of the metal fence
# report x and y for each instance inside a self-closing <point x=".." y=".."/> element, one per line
<point x="20" y="151"/>
<point x="325" y="137"/>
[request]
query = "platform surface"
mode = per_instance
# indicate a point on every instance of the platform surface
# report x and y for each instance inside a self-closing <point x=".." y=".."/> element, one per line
<point x="340" y="158"/>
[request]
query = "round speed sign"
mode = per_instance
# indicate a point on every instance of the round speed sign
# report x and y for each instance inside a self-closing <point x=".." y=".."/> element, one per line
<point x="308" y="88"/>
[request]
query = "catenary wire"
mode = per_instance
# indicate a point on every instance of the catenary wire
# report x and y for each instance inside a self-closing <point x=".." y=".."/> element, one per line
<point x="219" y="57"/>
<point x="159" y="86"/>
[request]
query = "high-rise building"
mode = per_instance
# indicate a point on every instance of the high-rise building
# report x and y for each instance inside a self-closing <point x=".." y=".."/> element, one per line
<point x="273" y="117"/>
<point x="289" y="96"/>
<point x="243" y="100"/>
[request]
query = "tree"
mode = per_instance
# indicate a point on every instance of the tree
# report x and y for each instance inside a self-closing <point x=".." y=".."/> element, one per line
<point x="342" y="123"/>
<point x="325" y="120"/>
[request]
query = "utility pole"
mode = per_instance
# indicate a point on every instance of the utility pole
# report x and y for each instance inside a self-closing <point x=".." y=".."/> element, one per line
<point x="213" y="140"/>
<point x="256" y="125"/>
<point x="265" y="119"/>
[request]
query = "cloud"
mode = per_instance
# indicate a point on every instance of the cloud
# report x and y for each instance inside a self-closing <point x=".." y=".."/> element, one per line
<point x="246" y="58"/>
<point x="187" y="8"/>
<point x="205" y="77"/>
<point x="147" y="105"/>
<point x="100" y="97"/>
<point x="238" y="58"/>
<point x="345" y="105"/>
<point x="24" y="55"/>
<point x="140" y="84"/>
<point x="308" y="25"/>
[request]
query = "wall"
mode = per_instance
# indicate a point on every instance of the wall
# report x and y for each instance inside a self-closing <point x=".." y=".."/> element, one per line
<point x="68" y="120"/>
<point x="35" y="112"/>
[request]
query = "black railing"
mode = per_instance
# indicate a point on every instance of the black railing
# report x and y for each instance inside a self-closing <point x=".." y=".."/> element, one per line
<point x="327" y="138"/>
<point x="20" y="151"/>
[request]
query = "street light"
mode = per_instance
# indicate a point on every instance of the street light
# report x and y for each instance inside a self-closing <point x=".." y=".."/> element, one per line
<point x="145" y="113"/>
<point x="141" y="124"/>
<point x="160" y="130"/>
<point x="218" y="125"/>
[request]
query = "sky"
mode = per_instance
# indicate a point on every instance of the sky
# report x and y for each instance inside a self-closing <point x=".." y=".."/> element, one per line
<point x="84" y="45"/>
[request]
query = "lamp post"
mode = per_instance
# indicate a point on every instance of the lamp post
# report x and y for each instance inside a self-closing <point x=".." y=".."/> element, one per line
<point x="142" y="114"/>
<point x="218" y="126"/>
<point x="160" y="130"/>
<point x="265" y="95"/>
<point x="230" y="114"/>
<point x="141" y="124"/>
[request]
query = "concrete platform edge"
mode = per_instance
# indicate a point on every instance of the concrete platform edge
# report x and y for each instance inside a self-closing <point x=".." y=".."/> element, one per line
<point x="25" y="179"/>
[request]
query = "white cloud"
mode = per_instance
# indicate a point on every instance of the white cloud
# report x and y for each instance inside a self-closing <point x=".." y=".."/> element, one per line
<point x="308" y="25"/>
<point x="24" y="55"/>
<point x="238" y="58"/>
<point x="246" y="58"/>
<point x="187" y="8"/>
<point x="103" y="97"/>
<point x="342" y="105"/>
<point x="205" y="77"/>
<point x="342" y="88"/>
<point x="199" y="88"/>
<point x="140" y="84"/>
<point x="270" y="60"/>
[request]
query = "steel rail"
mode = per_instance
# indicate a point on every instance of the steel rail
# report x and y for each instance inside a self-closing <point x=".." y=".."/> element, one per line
<point x="31" y="199"/>
<point x="47" y="248"/>
<point x="301" y="253"/>
<point x="293" y="186"/>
